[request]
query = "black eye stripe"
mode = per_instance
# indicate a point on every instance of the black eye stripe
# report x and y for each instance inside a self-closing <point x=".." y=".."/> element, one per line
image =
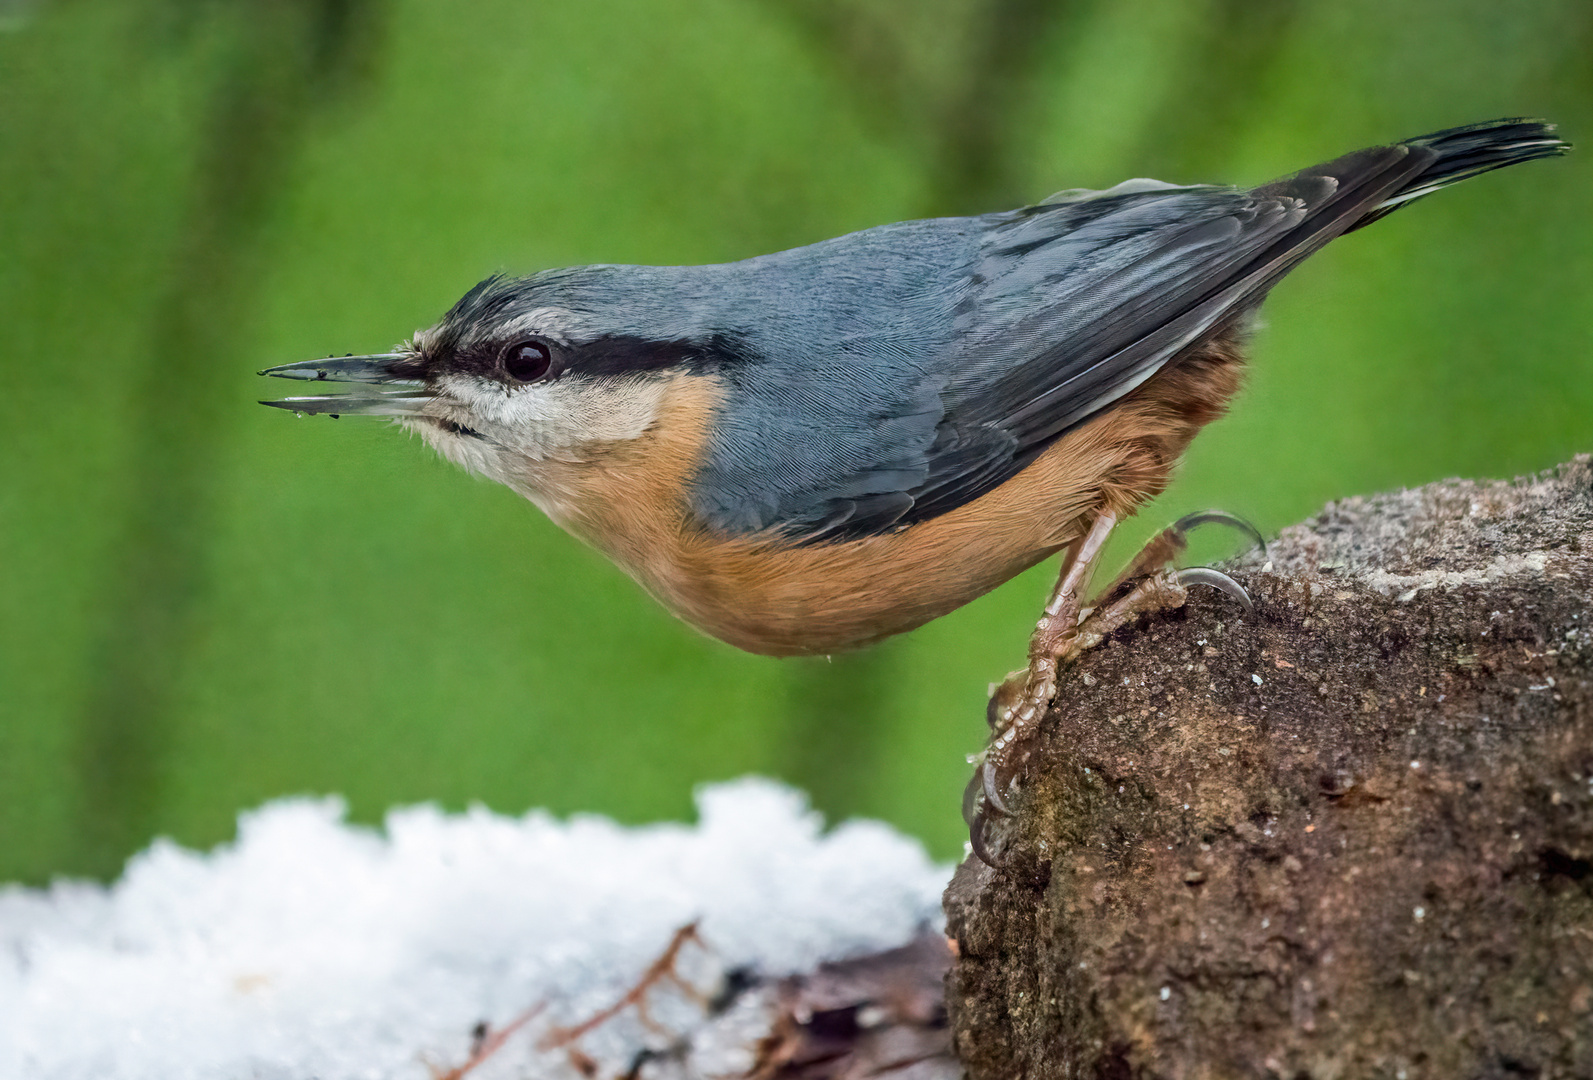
<point x="613" y="355"/>
<point x="624" y="355"/>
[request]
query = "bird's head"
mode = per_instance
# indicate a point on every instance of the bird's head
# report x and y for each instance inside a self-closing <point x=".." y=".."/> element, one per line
<point x="513" y="384"/>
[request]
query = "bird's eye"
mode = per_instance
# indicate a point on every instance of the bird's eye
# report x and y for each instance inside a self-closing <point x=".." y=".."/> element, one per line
<point x="527" y="361"/>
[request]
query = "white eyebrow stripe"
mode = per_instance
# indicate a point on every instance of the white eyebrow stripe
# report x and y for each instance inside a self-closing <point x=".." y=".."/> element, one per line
<point x="559" y="324"/>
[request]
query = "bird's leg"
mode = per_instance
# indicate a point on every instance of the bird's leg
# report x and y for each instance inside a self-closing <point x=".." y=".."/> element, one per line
<point x="1051" y="638"/>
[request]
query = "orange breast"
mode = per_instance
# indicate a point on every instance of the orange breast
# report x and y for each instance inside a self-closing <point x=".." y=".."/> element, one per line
<point x="768" y="596"/>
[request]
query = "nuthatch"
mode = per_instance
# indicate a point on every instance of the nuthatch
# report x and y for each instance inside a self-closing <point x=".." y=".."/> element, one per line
<point x="809" y="451"/>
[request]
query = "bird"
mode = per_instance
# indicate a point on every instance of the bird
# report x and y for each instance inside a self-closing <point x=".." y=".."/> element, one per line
<point x="809" y="451"/>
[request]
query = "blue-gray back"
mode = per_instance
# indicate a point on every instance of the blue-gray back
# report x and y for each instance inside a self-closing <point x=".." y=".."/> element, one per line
<point x="882" y="378"/>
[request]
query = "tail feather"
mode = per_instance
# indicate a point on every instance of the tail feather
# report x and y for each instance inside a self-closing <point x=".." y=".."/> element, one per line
<point x="1460" y="153"/>
<point x="1355" y="190"/>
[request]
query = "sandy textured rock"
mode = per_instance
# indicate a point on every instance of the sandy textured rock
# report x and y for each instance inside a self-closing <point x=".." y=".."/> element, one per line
<point x="1350" y="835"/>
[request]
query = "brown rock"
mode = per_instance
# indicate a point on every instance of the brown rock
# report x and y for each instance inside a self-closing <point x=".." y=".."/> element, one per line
<point x="1349" y="835"/>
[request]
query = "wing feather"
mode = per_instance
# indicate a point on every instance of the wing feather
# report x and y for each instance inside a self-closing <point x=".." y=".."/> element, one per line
<point x="1161" y="272"/>
<point x="939" y="358"/>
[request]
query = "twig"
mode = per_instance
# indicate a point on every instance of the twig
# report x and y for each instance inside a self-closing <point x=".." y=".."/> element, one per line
<point x="662" y="968"/>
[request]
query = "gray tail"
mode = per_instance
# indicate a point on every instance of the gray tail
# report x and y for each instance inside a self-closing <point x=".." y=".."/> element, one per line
<point x="1460" y="153"/>
<point x="1342" y="195"/>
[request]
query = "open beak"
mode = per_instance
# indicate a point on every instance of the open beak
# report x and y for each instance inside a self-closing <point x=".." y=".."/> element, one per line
<point x="408" y="398"/>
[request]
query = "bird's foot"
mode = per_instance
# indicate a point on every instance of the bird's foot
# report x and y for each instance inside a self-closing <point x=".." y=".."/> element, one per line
<point x="1151" y="583"/>
<point x="1019" y="703"/>
<point x="1148" y="585"/>
<point x="1014" y="712"/>
<point x="1016" y="707"/>
<point x="1163" y="590"/>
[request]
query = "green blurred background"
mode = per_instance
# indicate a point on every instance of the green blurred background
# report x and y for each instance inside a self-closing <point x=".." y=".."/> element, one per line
<point x="208" y="603"/>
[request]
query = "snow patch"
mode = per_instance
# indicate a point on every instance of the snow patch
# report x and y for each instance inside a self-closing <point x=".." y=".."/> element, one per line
<point x="314" y="948"/>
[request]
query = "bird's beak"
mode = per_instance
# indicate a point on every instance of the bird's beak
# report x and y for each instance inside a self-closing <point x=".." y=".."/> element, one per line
<point x="409" y="399"/>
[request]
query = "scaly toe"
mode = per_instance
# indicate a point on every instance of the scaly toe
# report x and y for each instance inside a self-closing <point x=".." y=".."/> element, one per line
<point x="1005" y="698"/>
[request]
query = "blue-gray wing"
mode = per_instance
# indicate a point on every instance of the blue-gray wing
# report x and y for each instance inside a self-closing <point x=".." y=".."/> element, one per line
<point x="1021" y="327"/>
<point x="1062" y="328"/>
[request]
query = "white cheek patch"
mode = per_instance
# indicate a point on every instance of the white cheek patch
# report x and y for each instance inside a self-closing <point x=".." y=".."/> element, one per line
<point x="471" y="454"/>
<point x="493" y="461"/>
<point x="543" y="421"/>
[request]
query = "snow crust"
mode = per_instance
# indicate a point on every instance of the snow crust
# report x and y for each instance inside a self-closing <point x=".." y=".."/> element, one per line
<point x="311" y="948"/>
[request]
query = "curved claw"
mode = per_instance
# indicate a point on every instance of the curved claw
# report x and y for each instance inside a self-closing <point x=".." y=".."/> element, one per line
<point x="970" y="797"/>
<point x="991" y="782"/>
<point x="1205" y="575"/>
<point x="1221" y="517"/>
<point x="976" y="840"/>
